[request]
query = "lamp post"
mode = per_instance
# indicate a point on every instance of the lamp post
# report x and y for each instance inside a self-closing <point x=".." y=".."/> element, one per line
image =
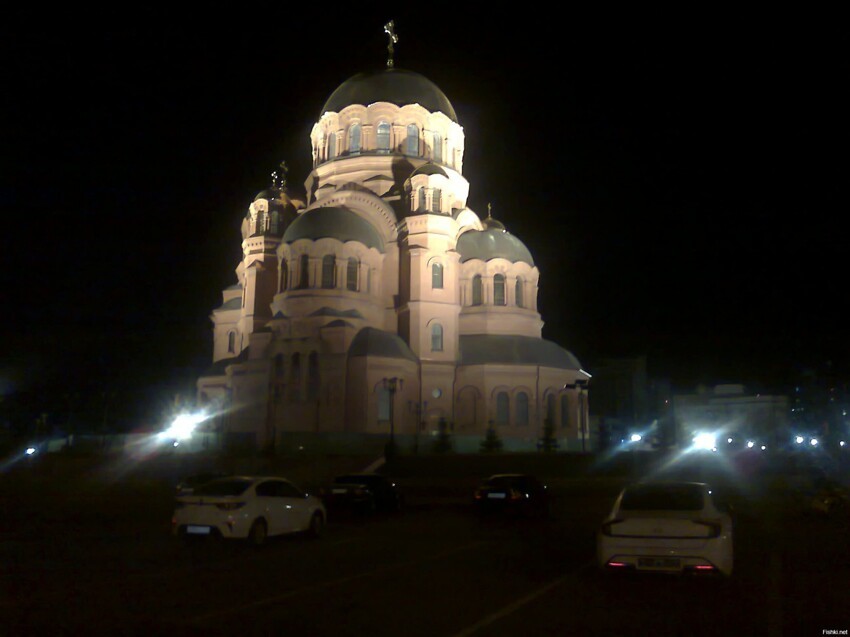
<point x="419" y="409"/>
<point x="582" y="389"/>
<point x="392" y="385"/>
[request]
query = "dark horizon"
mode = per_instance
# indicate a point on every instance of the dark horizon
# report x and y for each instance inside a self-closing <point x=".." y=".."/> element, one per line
<point x="675" y="187"/>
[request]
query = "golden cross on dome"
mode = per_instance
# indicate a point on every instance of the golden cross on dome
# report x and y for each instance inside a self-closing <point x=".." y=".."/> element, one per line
<point x="389" y="29"/>
<point x="489" y="207"/>
<point x="282" y="176"/>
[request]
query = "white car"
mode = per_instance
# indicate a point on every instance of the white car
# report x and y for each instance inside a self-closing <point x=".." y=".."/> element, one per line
<point x="666" y="527"/>
<point x="249" y="508"/>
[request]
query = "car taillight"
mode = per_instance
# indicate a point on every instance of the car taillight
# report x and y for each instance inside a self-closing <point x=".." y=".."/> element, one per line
<point x="479" y="494"/>
<point x="516" y="495"/>
<point x="606" y="527"/>
<point x="230" y="506"/>
<point x="713" y="527"/>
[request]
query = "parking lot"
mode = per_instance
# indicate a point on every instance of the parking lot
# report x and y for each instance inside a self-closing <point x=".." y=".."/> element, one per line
<point x="86" y="558"/>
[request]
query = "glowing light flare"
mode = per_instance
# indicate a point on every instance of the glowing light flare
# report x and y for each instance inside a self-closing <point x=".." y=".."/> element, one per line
<point x="750" y="444"/>
<point x="30" y="451"/>
<point x="813" y="442"/>
<point x="183" y="426"/>
<point x="705" y="441"/>
<point x="635" y="437"/>
<point x="841" y="443"/>
<point x="799" y="440"/>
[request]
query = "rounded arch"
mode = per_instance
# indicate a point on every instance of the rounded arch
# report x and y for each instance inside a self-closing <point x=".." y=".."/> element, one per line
<point x="366" y="205"/>
<point x="469" y="409"/>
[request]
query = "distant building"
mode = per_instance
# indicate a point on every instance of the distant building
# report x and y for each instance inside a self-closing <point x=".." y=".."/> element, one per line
<point x="380" y="300"/>
<point x="627" y="401"/>
<point x="730" y="412"/>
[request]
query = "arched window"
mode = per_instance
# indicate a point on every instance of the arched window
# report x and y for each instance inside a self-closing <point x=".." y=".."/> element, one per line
<point x="231" y="342"/>
<point x="421" y="205"/>
<point x="351" y="274"/>
<point x="412" y="146"/>
<point x="503" y="408"/>
<point x="295" y="378"/>
<point x="354" y="139"/>
<point x="278" y="365"/>
<point x="437" y="151"/>
<point x="383" y="137"/>
<point x="499" y="289"/>
<point x="328" y="267"/>
<point x="436" y="196"/>
<point x="565" y="411"/>
<point x="477" y="289"/>
<point x="522" y="408"/>
<point x="284" y="276"/>
<point x="436" y="338"/>
<point x="437" y="276"/>
<point x="313" y="376"/>
<point x="519" y="300"/>
<point x="304" y="272"/>
<point x="368" y="280"/>
<point x="331" y="145"/>
<point x="550" y="409"/>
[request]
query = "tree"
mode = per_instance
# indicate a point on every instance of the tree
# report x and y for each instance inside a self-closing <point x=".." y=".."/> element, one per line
<point x="548" y="442"/>
<point x="491" y="443"/>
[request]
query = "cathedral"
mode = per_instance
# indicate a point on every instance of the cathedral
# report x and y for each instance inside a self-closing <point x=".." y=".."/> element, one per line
<point x="379" y="304"/>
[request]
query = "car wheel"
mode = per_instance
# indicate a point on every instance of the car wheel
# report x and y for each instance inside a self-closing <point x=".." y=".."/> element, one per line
<point x="317" y="525"/>
<point x="259" y="533"/>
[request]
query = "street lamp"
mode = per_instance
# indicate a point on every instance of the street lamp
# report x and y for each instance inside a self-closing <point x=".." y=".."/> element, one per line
<point x="581" y="387"/>
<point x="419" y="409"/>
<point x="392" y="385"/>
<point x="582" y="400"/>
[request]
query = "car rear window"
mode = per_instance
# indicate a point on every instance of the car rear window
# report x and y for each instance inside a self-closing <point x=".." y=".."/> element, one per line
<point x="229" y="486"/>
<point x="673" y="497"/>
<point x="357" y="479"/>
<point x="506" y="482"/>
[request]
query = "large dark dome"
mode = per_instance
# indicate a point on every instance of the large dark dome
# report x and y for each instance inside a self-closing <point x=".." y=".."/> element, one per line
<point x="395" y="86"/>
<point x="336" y="223"/>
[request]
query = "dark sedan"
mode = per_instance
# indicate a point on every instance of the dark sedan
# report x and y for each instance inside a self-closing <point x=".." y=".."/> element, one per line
<point x="363" y="493"/>
<point x="513" y="493"/>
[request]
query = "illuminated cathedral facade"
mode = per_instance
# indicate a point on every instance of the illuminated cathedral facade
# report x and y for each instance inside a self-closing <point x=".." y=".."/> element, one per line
<point x="380" y="303"/>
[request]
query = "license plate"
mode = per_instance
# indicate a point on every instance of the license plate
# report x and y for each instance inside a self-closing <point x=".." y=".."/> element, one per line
<point x="496" y="496"/>
<point x="198" y="530"/>
<point x="339" y="490"/>
<point x="659" y="562"/>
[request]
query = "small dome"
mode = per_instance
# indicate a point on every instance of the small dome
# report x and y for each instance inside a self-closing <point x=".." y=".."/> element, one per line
<point x="334" y="223"/>
<point x="374" y="342"/>
<point x="395" y="86"/>
<point x="492" y="243"/>
<point x="481" y="349"/>
<point x="278" y="197"/>
<point x="269" y="194"/>
<point x="429" y="169"/>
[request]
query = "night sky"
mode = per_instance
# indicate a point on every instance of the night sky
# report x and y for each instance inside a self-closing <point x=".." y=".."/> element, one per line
<point x="675" y="176"/>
